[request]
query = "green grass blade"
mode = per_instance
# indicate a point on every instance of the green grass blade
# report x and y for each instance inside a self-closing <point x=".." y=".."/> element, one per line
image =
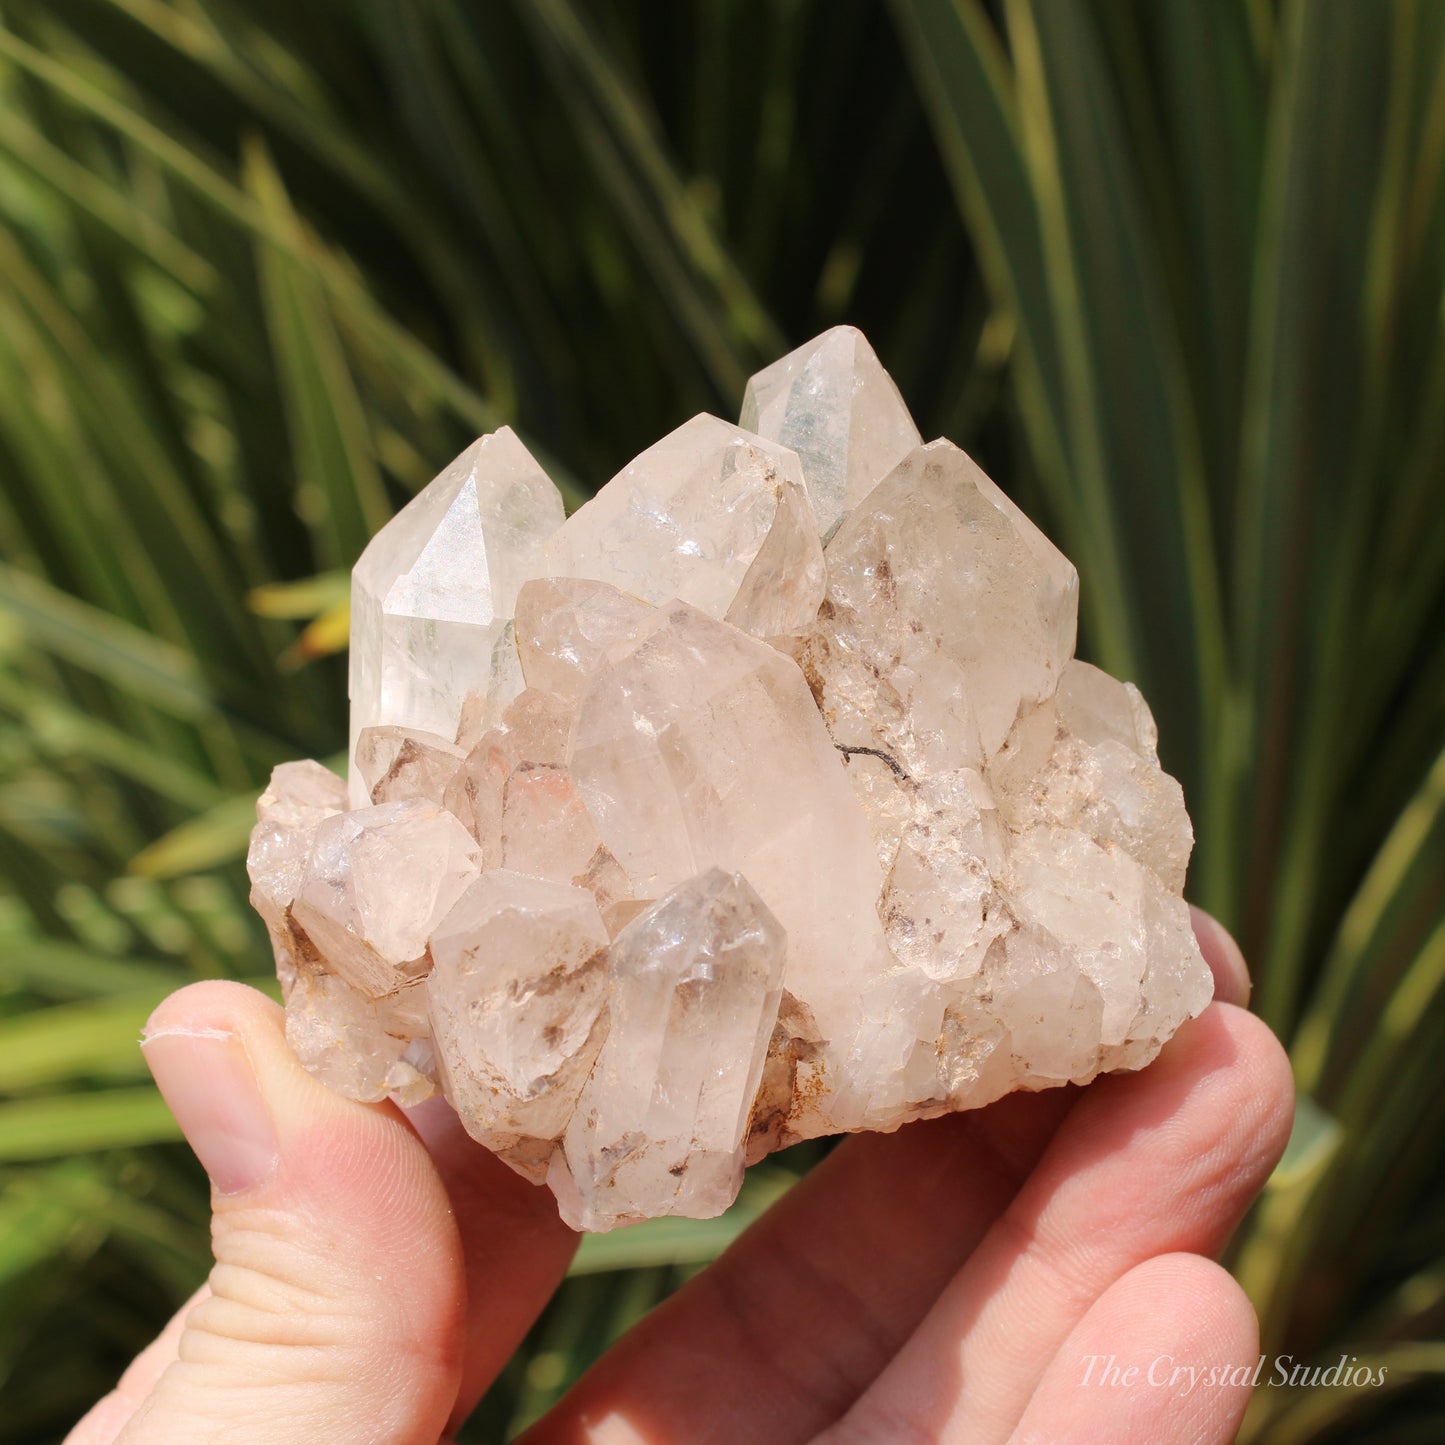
<point x="1354" y="962"/>
<point x="217" y="836"/>
<point x="46" y="1047"/>
<point x="66" y="733"/>
<point x="63" y="971"/>
<point x="963" y="75"/>
<point x="1297" y="447"/>
<point x="84" y="1123"/>
<point x="212" y="185"/>
<point x="339" y="488"/>
<point x="113" y="208"/>
<point x="132" y="659"/>
<point x="41" y="1214"/>
<point x="669" y="230"/>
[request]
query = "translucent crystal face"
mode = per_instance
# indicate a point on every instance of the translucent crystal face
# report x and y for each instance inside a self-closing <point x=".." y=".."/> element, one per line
<point x="832" y="403"/>
<point x="948" y="613"/>
<point x="693" y="988"/>
<point x="377" y="882"/>
<point x="674" y="835"/>
<point x="433" y="595"/>
<point x="685" y="519"/>
<point x="518" y="995"/>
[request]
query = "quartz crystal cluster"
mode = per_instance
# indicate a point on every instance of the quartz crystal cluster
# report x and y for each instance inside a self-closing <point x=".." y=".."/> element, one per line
<point x="761" y="798"/>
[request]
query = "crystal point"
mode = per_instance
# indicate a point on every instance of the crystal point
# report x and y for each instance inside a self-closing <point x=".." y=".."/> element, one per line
<point x="693" y="990"/>
<point x="377" y="882"/>
<point x="435" y="590"/>
<point x="784" y="585"/>
<point x="685" y="519"/>
<point x="400" y="763"/>
<point x="567" y="627"/>
<point x="366" y="1048"/>
<point x="518" y="1008"/>
<point x="832" y="403"/>
<point x="298" y="799"/>
<point x="948" y="612"/>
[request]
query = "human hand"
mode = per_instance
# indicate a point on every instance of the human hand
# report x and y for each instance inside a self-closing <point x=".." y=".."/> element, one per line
<point x="949" y="1282"/>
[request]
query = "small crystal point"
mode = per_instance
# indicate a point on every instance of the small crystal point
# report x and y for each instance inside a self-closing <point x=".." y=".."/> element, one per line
<point x="535" y="733"/>
<point x="685" y="519"/>
<point x="567" y="627"/>
<point x="832" y="402"/>
<point x="363" y="1047"/>
<point x="693" y="990"/>
<point x="1085" y="759"/>
<point x="783" y="588"/>
<point x="518" y="998"/>
<point x="377" y="882"/>
<point x="942" y="905"/>
<point x="436" y="588"/>
<point x="297" y="800"/>
<point x="400" y="763"/>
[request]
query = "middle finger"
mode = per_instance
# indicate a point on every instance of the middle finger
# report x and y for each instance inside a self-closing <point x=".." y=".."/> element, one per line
<point x="776" y="1339"/>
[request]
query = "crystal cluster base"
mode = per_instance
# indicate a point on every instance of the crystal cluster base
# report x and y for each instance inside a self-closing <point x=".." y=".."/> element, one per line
<point x="760" y="799"/>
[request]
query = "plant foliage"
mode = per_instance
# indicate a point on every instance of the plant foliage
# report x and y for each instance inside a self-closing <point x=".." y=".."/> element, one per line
<point x="1173" y="269"/>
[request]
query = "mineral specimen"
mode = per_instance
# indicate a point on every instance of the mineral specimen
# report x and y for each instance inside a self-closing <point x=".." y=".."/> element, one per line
<point x="763" y="798"/>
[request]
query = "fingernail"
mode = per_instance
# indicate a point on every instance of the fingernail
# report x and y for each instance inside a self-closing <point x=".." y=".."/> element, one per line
<point x="205" y="1076"/>
<point x="1224" y="957"/>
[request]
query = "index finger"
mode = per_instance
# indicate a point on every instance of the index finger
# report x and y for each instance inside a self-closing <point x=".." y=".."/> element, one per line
<point x="1225" y="958"/>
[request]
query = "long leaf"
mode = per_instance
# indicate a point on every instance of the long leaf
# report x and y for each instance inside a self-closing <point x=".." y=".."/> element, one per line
<point x="75" y="1041"/>
<point x="339" y="488"/>
<point x="66" y="1124"/>
<point x="134" y="660"/>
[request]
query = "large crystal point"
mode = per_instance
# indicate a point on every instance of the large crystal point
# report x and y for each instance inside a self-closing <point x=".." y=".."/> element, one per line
<point x="377" y="883"/>
<point x="832" y="403"/>
<point x="366" y="1048"/>
<point x="432" y="596"/>
<point x="703" y="749"/>
<point x="693" y="991"/>
<point x="948" y="612"/>
<point x="518" y="999"/>
<point x="685" y="519"/>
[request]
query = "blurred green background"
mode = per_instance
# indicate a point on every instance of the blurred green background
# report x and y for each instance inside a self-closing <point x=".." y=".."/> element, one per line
<point x="1172" y="269"/>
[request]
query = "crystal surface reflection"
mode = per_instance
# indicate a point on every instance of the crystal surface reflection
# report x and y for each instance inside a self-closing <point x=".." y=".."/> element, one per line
<point x="763" y="798"/>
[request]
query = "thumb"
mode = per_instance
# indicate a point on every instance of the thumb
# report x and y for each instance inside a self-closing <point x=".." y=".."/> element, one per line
<point x="335" y="1308"/>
